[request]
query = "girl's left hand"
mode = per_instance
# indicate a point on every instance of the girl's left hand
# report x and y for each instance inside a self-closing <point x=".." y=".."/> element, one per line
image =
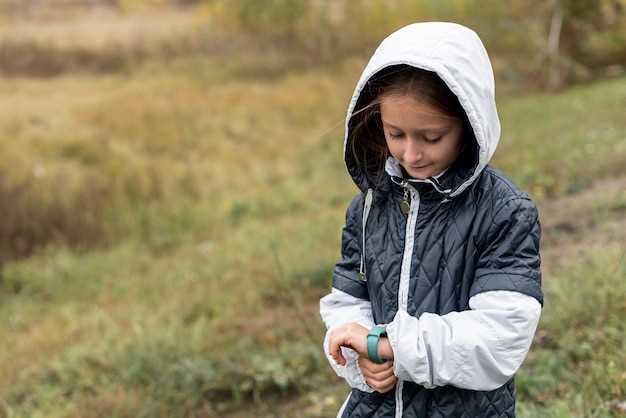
<point x="352" y="335"/>
<point x="379" y="377"/>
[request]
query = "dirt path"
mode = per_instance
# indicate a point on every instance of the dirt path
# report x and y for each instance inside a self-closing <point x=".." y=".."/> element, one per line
<point x="571" y="224"/>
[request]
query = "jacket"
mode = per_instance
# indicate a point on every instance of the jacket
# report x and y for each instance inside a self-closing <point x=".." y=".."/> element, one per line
<point x="457" y="280"/>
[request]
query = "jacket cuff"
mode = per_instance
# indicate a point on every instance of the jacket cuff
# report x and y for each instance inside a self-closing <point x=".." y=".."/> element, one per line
<point x="507" y="281"/>
<point x="403" y="335"/>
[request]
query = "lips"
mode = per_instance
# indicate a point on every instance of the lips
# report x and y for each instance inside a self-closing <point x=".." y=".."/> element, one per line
<point x="417" y="168"/>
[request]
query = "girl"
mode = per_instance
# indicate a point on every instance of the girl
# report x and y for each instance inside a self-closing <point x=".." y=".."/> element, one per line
<point x="439" y="250"/>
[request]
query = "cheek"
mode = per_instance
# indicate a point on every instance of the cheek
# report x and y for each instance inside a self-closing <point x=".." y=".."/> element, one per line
<point x="393" y="148"/>
<point x="445" y="154"/>
<point x="451" y="150"/>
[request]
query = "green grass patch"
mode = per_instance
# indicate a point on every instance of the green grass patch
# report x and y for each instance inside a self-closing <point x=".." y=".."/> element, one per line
<point x="576" y="365"/>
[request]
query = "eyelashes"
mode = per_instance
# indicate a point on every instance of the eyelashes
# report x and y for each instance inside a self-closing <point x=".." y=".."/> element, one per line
<point x="434" y="139"/>
<point x="429" y="140"/>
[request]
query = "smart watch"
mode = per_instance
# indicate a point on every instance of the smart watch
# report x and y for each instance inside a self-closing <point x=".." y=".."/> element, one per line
<point x="373" y="337"/>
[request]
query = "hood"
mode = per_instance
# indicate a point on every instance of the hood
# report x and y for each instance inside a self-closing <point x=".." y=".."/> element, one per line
<point x="456" y="54"/>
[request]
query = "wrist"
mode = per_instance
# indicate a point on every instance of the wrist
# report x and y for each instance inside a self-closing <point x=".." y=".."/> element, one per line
<point x="385" y="351"/>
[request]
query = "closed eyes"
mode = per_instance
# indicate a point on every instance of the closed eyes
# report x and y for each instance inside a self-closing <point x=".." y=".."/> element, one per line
<point x="400" y="135"/>
<point x="437" y="139"/>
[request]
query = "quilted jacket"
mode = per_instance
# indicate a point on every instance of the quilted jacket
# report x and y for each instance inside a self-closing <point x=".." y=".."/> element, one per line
<point x="470" y="234"/>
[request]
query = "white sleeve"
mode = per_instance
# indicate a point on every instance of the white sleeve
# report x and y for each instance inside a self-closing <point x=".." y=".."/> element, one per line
<point x="338" y="308"/>
<point x="477" y="349"/>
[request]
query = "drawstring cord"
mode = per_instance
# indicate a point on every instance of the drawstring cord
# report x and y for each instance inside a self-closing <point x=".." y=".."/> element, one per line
<point x="366" y="213"/>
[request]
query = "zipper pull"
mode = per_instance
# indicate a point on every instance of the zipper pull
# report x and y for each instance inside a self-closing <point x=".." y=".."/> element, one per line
<point x="405" y="205"/>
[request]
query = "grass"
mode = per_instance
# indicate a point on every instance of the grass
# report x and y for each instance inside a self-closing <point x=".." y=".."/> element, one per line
<point x="590" y="137"/>
<point x="577" y="358"/>
<point x="172" y="228"/>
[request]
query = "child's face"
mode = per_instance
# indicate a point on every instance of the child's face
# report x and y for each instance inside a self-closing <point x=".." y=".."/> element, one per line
<point x="424" y="140"/>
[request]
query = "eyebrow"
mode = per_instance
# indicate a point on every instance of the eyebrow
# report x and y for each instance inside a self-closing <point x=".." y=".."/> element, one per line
<point x="433" y="129"/>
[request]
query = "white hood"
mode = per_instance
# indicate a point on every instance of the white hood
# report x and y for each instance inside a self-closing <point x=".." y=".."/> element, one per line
<point x="459" y="58"/>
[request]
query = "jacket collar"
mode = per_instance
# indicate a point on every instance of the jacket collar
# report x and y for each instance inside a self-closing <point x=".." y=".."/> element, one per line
<point x="435" y="187"/>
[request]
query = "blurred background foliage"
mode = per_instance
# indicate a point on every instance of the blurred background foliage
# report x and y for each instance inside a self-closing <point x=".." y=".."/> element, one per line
<point x="578" y="39"/>
<point x="534" y="45"/>
<point x="172" y="191"/>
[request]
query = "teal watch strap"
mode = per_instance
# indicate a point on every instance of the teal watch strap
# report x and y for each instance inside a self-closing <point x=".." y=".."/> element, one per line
<point x="373" y="337"/>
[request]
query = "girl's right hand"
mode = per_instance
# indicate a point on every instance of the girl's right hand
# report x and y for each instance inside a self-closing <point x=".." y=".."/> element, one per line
<point x="379" y="377"/>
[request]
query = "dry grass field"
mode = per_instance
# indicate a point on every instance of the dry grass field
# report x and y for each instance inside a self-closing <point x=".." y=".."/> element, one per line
<point x="170" y="221"/>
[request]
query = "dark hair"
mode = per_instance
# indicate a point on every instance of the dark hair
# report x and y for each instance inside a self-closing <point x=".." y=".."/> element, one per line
<point x="366" y="137"/>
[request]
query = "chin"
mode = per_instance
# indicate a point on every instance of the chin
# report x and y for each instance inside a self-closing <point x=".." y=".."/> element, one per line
<point x="421" y="174"/>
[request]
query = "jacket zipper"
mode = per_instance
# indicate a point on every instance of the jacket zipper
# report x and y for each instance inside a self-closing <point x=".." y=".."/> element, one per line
<point x="405" y="272"/>
<point x="405" y="205"/>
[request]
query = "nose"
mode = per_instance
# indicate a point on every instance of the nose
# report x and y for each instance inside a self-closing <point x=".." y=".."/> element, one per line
<point x="413" y="152"/>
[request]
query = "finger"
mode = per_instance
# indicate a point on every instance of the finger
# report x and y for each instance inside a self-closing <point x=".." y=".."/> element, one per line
<point x="368" y="364"/>
<point x="382" y="382"/>
<point x="387" y="388"/>
<point x="383" y="390"/>
<point x="389" y="381"/>
<point x="385" y="385"/>
<point x="337" y="355"/>
<point x="376" y="367"/>
<point x="334" y="348"/>
<point x="377" y="375"/>
<point x="365" y="365"/>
